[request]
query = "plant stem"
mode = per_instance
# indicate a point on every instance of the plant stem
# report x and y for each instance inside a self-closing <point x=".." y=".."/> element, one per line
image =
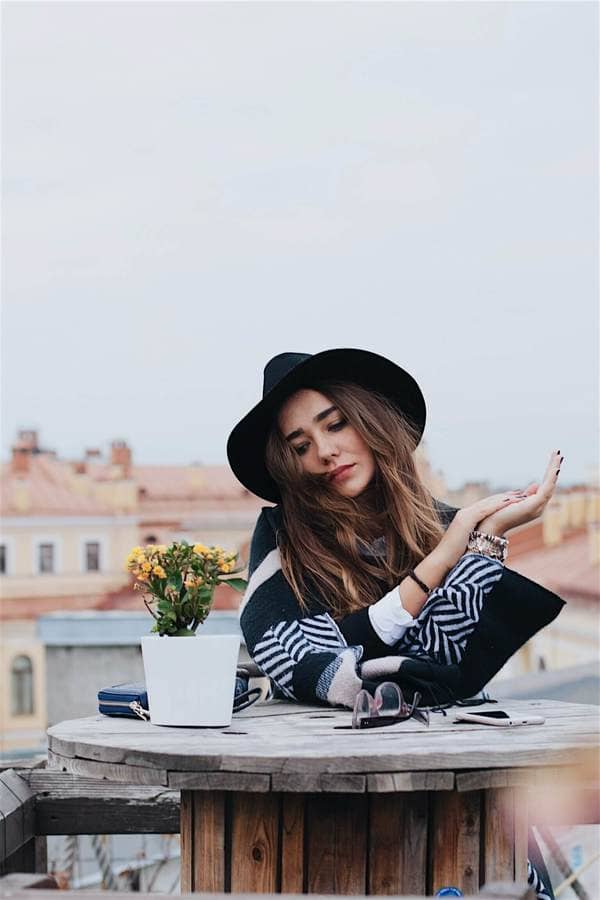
<point x="150" y="610"/>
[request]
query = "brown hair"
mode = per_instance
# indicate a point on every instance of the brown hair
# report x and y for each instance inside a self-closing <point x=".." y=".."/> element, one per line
<point x="323" y="531"/>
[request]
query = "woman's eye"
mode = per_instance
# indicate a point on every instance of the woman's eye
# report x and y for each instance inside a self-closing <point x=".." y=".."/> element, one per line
<point x="301" y="449"/>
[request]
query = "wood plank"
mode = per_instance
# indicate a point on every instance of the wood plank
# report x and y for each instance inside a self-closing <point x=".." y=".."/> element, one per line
<point x="455" y="841"/>
<point x="398" y="843"/>
<point x="186" y="842"/>
<point x="16" y="805"/>
<point x="21" y="790"/>
<point x="326" y="782"/>
<point x="208" y="841"/>
<point x="254" y="843"/>
<point x="498" y="835"/>
<point x="110" y="771"/>
<point x="522" y="822"/>
<point x="386" y="782"/>
<point x="540" y="776"/>
<point x="109" y="815"/>
<point x="292" y="843"/>
<point x="219" y="781"/>
<point x="336" y="846"/>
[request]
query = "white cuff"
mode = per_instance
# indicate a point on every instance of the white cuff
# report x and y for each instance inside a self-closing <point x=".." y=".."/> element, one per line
<point x="389" y="618"/>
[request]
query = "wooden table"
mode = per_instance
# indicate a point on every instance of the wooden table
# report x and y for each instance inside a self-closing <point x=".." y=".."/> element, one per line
<point x="283" y="801"/>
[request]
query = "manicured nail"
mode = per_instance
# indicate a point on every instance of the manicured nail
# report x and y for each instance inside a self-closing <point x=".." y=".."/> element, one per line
<point x="561" y="459"/>
<point x="557" y="471"/>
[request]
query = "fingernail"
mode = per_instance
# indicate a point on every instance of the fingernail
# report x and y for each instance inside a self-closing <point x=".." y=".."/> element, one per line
<point x="558" y="451"/>
<point x="561" y="459"/>
<point x="557" y="471"/>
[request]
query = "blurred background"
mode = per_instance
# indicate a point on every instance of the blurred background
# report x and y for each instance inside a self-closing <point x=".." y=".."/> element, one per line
<point x="192" y="188"/>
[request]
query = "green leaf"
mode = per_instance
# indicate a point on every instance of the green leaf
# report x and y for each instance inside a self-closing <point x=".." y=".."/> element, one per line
<point x="165" y="606"/>
<point x="238" y="584"/>
<point x="175" y="581"/>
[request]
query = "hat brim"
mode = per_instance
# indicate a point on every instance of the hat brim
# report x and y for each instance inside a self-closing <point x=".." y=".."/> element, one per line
<point x="247" y="442"/>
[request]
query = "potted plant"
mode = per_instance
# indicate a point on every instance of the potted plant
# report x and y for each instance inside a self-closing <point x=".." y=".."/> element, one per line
<point x="189" y="682"/>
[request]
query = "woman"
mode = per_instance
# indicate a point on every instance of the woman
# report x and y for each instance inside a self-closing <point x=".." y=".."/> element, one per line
<point x="358" y="575"/>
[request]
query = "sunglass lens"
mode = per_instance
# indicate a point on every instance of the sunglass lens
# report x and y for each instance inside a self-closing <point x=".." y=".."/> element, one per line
<point x="388" y="699"/>
<point x="364" y="708"/>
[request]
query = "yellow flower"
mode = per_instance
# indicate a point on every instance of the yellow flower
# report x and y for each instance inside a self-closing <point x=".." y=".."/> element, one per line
<point x="143" y="577"/>
<point x="201" y="549"/>
<point x="146" y="567"/>
<point x="159" y="572"/>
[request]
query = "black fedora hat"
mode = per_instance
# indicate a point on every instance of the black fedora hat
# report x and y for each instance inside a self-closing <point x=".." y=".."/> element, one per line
<point x="287" y="373"/>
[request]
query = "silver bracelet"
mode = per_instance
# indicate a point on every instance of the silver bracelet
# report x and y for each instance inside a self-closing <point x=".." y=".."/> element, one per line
<point x="488" y="545"/>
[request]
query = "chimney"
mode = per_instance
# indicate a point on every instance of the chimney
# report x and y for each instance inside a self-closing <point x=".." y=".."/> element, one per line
<point x="28" y="439"/>
<point x="120" y="455"/>
<point x="20" y="460"/>
<point x="92" y="453"/>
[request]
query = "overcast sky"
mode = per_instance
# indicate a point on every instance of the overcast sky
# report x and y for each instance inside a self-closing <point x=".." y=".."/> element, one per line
<point x="192" y="188"/>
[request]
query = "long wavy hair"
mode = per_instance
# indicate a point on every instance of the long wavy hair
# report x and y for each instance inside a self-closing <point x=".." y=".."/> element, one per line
<point x="324" y="532"/>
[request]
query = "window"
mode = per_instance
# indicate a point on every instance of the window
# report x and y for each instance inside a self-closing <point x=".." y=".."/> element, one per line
<point x="21" y="684"/>
<point x="2" y="559"/>
<point x="92" y="556"/>
<point x="46" y="557"/>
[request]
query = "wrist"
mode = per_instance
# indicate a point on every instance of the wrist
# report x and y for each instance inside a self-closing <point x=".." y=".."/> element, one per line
<point x="490" y="526"/>
<point x="442" y="559"/>
<point x="487" y="544"/>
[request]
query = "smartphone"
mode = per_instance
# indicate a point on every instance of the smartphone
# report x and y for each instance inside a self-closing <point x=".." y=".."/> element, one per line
<point x="499" y="718"/>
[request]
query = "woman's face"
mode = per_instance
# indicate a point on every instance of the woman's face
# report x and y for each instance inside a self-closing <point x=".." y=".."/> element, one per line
<point x="326" y="443"/>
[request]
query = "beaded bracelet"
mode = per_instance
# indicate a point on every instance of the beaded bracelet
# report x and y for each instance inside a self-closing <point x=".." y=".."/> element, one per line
<point x="488" y="545"/>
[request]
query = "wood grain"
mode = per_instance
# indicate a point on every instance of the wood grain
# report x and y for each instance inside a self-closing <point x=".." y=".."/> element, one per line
<point x="292" y="843"/>
<point x="304" y="741"/>
<point x="254" y="843"/>
<point x="393" y="782"/>
<point x="498" y="835"/>
<point x="397" y="843"/>
<point x="203" y="841"/>
<point x="336" y="843"/>
<point x="109" y="771"/>
<point x="17" y="826"/>
<point x="455" y="840"/>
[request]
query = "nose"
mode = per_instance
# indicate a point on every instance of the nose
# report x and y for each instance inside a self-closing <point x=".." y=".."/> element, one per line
<point x="327" y="448"/>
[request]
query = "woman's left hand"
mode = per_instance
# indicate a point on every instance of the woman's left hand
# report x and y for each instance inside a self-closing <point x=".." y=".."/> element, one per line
<point x="528" y="509"/>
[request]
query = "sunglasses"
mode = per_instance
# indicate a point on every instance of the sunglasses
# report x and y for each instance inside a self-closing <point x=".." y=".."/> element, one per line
<point x="386" y="707"/>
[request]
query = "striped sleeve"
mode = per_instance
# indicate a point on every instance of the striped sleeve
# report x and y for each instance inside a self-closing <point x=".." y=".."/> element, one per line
<point x="305" y="655"/>
<point x="453" y="610"/>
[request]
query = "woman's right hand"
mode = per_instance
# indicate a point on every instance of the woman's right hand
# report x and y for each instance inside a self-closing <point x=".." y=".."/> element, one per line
<point x="454" y="542"/>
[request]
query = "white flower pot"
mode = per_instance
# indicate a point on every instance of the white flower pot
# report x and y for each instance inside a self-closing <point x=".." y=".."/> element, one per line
<point x="190" y="680"/>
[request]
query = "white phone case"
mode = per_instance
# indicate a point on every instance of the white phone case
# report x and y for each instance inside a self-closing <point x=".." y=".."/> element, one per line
<point x="501" y="723"/>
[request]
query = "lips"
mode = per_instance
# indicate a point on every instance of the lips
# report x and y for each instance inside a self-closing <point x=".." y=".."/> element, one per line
<point x="340" y="472"/>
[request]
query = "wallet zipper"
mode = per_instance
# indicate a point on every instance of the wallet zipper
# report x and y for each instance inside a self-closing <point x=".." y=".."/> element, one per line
<point x="135" y="706"/>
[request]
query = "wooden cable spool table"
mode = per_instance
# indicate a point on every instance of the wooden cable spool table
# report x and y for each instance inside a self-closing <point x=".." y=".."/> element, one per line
<point x="285" y="801"/>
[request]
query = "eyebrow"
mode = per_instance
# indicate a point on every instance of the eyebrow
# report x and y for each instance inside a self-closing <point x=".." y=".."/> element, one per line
<point x="318" y="418"/>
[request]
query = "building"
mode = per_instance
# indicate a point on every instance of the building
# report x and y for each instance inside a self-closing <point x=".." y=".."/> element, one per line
<point x="67" y="527"/>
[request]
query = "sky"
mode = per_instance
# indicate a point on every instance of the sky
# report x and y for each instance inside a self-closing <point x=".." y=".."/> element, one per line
<point x="191" y="188"/>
